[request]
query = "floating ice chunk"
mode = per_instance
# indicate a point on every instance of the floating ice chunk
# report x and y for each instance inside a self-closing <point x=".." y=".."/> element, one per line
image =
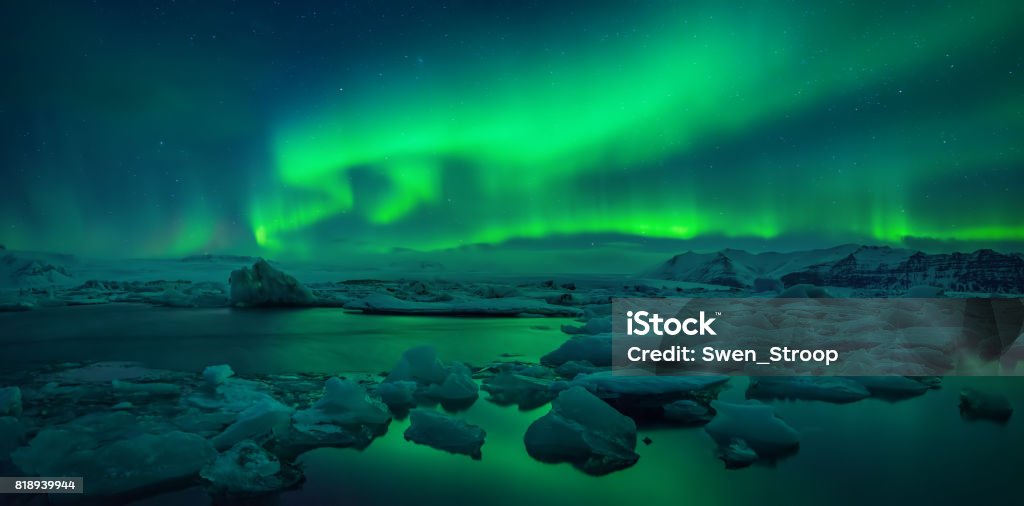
<point x="263" y="285"/>
<point x="172" y="297"/>
<point x="248" y="468"/>
<point x="754" y="423"/>
<point x="419" y="364"/>
<point x="593" y="326"/>
<point x="574" y="368"/>
<point x="583" y="430"/>
<point x="344" y="402"/>
<point x="527" y="392"/>
<point x="397" y="394"/>
<point x="345" y="416"/>
<point x="976" y="404"/>
<point x="449" y="384"/>
<point x="687" y="412"/>
<point x="444" y="432"/>
<point x="10" y="401"/>
<point x="817" y="388"/>
<point x="594" y="349"/>
<point x="214" y="375"/>
<point x="123" y="465"/>
<point x="892" y="386"/>
<point x="458" y="386"/>
<point x="233" y="395"/>
<point x="263" y="418"/>
<point x="736" y="454"/>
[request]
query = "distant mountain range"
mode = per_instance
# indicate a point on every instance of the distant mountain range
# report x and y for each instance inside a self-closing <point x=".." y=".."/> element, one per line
<point x="851" y="266"/>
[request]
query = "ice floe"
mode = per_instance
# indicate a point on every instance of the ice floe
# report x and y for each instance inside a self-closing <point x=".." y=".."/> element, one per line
<point x="444" y="432"/>
<point x="346" y="415"/>
<point x="976" y="404"/>
<point x="585" y="431"/>
<point x="450" y="384"/>
<point x="247" y="468"/>
<point x="737" y="427"/>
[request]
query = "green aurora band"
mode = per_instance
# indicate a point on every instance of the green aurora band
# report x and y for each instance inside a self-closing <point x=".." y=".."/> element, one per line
<point x="597" y="142"/>
<point x="290" y="129"/>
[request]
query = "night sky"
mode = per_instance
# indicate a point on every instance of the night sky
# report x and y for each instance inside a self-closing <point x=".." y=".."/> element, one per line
<point x="308" y="130"/>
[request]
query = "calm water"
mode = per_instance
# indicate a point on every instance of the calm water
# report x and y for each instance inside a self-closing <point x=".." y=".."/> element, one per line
<point x="871" y="452"/>
<point x="263" y="341"/>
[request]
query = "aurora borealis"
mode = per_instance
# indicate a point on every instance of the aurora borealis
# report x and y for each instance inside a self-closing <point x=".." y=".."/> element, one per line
<point x="309" y="129"/>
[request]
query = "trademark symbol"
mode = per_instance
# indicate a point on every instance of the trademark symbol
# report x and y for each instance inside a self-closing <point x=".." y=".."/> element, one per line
<point x="718" y="313"/>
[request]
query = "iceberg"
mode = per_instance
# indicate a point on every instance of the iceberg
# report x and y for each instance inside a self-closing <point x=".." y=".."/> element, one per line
<point x="344" y="402"/>
<point x="345" y="416"/>
<point x="215" y="375"/>
<point x="687" y="412"/>
<point x="398" y="395"/>
<point x="247" y="468"/>
<point x="261" y="419"/>
<point x="444" y="432"/>
<point x="452" y="385"/>
<point x="754" y="424"/>
<point x="596" y="350"/>
<point x="121" y="466"/>
<point x="975" y="404"/>
<point x="263" y="285"/>
<point x="736" y="454"/>
<point x="527" y="392"/>
<point x="458" y="387"/>
<point x="585" y="431"/>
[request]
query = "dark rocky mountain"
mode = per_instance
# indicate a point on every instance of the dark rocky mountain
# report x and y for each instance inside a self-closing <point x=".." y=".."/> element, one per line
<point x="983" y="271"/>
<point x="862" y="267"/>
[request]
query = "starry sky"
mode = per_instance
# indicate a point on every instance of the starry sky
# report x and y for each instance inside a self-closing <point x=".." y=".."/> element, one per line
<point x="312" y="129"/>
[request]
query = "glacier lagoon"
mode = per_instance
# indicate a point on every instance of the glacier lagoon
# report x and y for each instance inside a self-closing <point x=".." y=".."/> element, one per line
<point x="915" y="450"/>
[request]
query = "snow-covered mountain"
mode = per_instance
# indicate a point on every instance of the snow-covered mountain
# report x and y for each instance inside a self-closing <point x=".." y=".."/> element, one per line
<point x="853" y="266"/>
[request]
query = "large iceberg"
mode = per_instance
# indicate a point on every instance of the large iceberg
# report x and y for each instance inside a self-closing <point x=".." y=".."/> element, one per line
<point x="585" y="431"/>
<point x="263" y="285"/>
<point x="444" y="432"/>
